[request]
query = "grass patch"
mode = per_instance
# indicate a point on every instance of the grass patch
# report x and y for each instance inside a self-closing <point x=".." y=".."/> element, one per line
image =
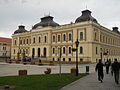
<point x="39" y="82"/>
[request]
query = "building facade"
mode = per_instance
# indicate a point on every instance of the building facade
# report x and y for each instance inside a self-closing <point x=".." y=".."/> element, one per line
<point x="47" y="39"/>
<point x="5" y="47"/>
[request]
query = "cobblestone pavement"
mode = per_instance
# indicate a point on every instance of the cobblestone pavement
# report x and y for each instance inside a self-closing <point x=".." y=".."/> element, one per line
<point x="90" y="82"/>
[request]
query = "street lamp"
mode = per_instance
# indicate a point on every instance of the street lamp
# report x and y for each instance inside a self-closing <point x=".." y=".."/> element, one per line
<point x="77" y="43"/>
<point x="18" y="56"/>
<point x="101" y="54"/>
<point x="60" y="52"/>
<point x="106" y="54"/>
<point x="6" y="56"/>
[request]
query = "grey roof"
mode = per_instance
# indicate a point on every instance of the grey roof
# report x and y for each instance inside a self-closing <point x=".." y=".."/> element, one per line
<point x="46" y="21"/>
<point x="86" y="16"/>
<point x="21" y="29"/>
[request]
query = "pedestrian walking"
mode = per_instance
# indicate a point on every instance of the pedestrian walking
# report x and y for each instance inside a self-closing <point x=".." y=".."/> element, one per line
<point x="107" y="65"/>
<point x="99" y="69"/>
<point x="115" y="70"/>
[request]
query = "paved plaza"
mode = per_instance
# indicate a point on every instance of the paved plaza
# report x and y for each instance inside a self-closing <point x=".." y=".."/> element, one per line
<point x="7" y="69"/>
<point x="89" y="82"/>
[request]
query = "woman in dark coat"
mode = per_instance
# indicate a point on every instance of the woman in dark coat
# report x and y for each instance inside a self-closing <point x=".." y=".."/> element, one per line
<point x="99" y="68"/>
<point x="107" y="64"/>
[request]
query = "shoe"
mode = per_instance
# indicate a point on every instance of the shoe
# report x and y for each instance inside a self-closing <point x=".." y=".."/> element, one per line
<point x="101" y="81"/>
<point x="117" y="82"/>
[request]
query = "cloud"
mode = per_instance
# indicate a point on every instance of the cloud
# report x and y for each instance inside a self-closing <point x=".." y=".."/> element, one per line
<point x="11" y="1"/>
<point x="23" y="1"/>
<point x="29" y="12"/>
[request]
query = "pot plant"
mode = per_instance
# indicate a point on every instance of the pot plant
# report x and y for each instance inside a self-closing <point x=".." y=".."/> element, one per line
<point x="48" y="71"/>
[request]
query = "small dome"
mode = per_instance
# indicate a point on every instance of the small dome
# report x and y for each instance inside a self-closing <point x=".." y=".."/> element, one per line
<point x="46" y="21"/>
<point x="86" y="16"/>
<point x="21" y="29"/>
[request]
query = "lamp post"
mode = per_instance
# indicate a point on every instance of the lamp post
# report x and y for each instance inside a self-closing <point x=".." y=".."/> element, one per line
<point x="77" y="43"/>
<point x="6" y="56"/>
<point x="101" y="53"/>
<point x="60" y="52"/>
<point x="106" y="54"/>
<point x="18" y="56"/>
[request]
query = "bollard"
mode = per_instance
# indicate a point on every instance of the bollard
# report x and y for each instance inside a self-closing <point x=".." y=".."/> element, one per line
<point x="73" y="70"/>
<point x="87" y="69"/>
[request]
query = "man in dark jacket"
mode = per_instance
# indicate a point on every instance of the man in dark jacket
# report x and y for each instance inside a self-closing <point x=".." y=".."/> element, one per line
<point x="99" y="68"/>
<point x="115" y="69"/>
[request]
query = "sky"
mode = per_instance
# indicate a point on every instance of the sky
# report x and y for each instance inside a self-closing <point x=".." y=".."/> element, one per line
<point x="28" y="12"/>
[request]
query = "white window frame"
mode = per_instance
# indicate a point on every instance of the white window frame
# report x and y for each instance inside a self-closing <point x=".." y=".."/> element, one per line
<point x="71" y="37"/>
<point x="57" y="38"/>
<point x="63" y="37"/>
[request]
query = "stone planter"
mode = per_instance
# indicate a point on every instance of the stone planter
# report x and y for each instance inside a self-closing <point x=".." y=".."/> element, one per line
<point x="24" y="63"/>
<point x="32" y="63"/>
<point x="10" y="62"/>
<point x="17" y="62"/>
<point x="73" y="70"/>
<point x="51" y="63"/>
<point x="22" y="72"/>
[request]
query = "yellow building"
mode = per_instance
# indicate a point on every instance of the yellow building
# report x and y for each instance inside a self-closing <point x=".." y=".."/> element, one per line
<point x="47" y="38"/>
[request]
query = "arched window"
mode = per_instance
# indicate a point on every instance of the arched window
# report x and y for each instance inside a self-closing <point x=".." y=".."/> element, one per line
<point x="96" y="50"/>
<point x="20" y="51"/>
<point x="14" y="51"/>
<point x="69" y="59"/>
<point x="103" y="38"/>
<point x="54" y="38"/>
<point x="64" y="37"/>
<point x="58" y="38"/>
<point x="53" y="50"/>
<point x="26" y="51"/>
<point x="70" y="37"/>
<point x="39" y="39"/>
<point x="30" y="41"/>
<point x="38" y="52"/>
<point x="81" y="59"/>
<point x="81" y="35"/>
<point x="95" y="36"/>
<point x="33" y="52"/>
<point x="63" y="59"/>
<point x="100" y="38"/>
<point x="53" y="59"/>
<point x="24" y="41"/>
<point x="27" y="41"/>
<point x="15" y="42"/>
<point x="63" y="50"/>
<point x="45" y="39"/>
<point x="70" y="50"/>
<point x="45" y="52"/>
<point x="81" y="50"/>
<point x="34" y="40"/>
<point x="20" y="41"/>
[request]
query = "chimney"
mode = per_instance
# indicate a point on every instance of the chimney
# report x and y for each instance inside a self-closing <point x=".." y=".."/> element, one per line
<point x="115" y="29"/>
<point x="21" y="27"/>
